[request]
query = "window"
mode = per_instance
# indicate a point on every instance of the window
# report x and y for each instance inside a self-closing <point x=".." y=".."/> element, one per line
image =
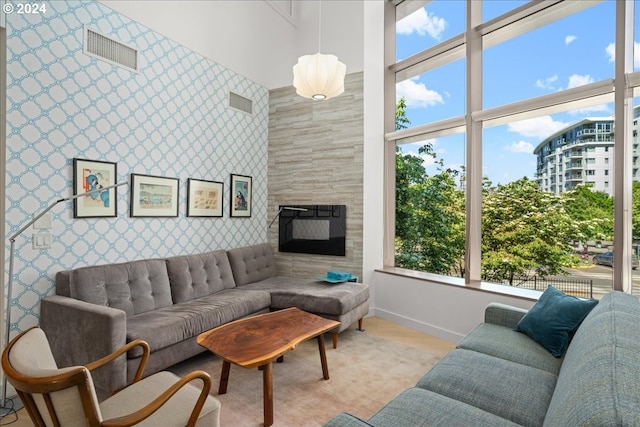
<point x="556" y="56"/>
<point x="430" y="214"/>
<point x="431" y="96"/>
<point x="527" y="108"/>
<point x="421" y="24"/>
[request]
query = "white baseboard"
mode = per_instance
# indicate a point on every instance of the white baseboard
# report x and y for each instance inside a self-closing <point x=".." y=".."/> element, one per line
<point x="417" y="325"/>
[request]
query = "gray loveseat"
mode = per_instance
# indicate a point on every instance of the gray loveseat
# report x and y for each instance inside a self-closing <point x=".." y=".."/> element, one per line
<point x="499" y="377"/>
<point x="168" y="302"/>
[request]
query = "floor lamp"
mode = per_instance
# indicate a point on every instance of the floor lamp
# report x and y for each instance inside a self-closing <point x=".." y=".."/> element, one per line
<point x="12" y="241"/>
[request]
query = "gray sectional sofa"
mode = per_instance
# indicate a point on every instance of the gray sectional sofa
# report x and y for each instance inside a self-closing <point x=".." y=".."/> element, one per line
<point x="499" y="377"/>
<point x="168" y="302"/>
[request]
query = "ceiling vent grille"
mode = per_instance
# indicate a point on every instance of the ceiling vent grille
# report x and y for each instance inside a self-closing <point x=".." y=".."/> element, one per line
<point x="110" y="50"/>
<point x="240" y="103"/>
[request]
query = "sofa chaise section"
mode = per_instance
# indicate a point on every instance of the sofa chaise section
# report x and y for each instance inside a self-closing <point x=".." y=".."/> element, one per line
<point x="254" y="268"/>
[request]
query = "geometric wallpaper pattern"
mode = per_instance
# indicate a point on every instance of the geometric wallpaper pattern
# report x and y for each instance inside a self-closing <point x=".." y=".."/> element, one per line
<point x="171" y="119"/>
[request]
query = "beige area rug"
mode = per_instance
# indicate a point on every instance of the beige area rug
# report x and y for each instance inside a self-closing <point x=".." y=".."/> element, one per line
<point x="365" y="373"/>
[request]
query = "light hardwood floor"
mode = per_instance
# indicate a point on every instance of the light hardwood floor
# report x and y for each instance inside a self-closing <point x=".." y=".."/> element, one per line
<point x="372" y="325"/>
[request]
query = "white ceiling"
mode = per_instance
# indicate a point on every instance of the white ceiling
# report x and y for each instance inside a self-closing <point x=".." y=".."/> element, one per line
<point x="260" y="40"/>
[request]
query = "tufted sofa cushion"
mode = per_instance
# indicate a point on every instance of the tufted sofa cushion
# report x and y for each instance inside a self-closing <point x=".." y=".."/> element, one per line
<point x="195" y="276"/>
<point x="252" y="263"/>
<point x="134" y="287"/>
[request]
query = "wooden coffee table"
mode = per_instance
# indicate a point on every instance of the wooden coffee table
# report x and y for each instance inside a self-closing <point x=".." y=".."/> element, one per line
<point x="259" y="340"/>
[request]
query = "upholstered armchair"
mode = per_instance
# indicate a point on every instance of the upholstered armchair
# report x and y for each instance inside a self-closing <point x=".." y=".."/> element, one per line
<point x="66" y="396"/>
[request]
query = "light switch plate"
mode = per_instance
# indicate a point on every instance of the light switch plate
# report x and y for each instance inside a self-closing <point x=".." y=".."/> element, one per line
<point x="41" y="240"/>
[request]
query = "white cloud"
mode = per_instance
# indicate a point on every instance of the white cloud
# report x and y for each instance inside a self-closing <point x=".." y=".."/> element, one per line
<point x="547" y="83"/>
<point x="416" y="94"/>
<point x="520" y="147"/>
<point x="421" y="22"/>
<point x="413" y="148"/>
<point x="539" y="127"/>
<point x="569" y="39"/>
<point x="576" y="80"/>
<point x="610" y="51"/>
<point x="426" y="159"/>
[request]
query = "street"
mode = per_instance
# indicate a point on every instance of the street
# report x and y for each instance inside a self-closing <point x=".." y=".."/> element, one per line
<point x="602" y="277"/>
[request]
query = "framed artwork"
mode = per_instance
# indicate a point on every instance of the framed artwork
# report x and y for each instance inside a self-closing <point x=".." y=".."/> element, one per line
<point x="154" y="196"/>
<point x="89" y="176"/>
<point x="240" y="196"/>
<point x="204" y="198"/>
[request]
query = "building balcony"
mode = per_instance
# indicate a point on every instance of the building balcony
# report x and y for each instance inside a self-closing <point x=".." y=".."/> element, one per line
<point x="585" y="131"/>
<point x="573" y="165"/>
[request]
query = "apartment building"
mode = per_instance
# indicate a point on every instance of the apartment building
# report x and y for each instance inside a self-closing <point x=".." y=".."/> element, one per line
<point x="581" y="153"/>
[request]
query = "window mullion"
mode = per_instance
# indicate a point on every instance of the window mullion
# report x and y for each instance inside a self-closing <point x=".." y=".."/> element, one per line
<point x="623" y="149"/>
<point x="473" y="250"/>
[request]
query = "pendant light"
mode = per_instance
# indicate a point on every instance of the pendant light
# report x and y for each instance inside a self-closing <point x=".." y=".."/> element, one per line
<point x="319" y="76"/>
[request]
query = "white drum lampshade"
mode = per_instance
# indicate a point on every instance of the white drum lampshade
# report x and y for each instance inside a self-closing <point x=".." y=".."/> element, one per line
<point x="319" y="76"/>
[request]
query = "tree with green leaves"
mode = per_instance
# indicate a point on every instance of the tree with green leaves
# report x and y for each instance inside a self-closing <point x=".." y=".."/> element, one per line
<point x="591" y="211"/>
<point x="525" y="231"/>
<point x="430" y="227"/>
<point x="402" y="121"/>
<point x="636" y="211"/>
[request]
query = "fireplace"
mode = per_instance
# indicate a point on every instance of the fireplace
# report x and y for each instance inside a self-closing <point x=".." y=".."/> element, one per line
<point x="313" y="229"/>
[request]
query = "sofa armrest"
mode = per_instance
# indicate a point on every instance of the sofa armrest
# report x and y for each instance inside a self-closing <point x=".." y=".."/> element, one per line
<point x="503" y="315"/>
<point x="346" y="420"/>
<point x="80" y="332"/>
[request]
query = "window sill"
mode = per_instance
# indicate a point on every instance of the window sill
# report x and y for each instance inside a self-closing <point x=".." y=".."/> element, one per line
<point x="510" y="291"/>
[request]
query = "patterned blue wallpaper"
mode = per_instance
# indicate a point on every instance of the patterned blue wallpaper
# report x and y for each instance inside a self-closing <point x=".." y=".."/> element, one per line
<point x="170" y="119"/>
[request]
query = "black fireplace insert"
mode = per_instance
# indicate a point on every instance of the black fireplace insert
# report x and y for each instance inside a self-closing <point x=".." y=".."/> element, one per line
<point x="313" y="229"/>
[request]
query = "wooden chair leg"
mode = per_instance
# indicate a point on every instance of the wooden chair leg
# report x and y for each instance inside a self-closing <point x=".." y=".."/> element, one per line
<point x="360" y="325"/>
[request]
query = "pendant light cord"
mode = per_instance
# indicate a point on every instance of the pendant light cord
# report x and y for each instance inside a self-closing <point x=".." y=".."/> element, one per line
<point x="319" y="25"/>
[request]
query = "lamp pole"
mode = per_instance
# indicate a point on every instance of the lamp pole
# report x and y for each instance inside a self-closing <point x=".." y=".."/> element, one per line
<point x="12" y="241"/>
<point x="285" y="208"/>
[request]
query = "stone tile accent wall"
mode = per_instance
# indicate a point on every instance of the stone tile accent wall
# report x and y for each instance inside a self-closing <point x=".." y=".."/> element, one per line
<point x="316" y="158"/>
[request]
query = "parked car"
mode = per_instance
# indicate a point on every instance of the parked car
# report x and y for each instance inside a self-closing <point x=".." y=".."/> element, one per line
<point x="607" y="259"/>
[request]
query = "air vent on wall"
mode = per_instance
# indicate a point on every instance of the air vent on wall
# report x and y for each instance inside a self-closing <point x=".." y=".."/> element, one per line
<point x="240" y="103"/>
<point x="110" y="50"/>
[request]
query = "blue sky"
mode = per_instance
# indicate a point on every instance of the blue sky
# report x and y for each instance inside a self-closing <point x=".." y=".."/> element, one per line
<point x="567" y="53"/>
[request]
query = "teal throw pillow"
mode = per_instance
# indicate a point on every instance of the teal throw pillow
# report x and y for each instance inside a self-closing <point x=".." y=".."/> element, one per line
<point x="553" y="318"/>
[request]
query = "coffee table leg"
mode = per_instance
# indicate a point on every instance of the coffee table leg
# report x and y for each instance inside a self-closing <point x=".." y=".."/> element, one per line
<point x="224" y="377"/>
<point x="267" y="393"/>
<point x="323" y="357"/>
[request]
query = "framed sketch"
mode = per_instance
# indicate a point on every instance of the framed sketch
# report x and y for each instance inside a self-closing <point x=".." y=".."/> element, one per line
<point x="154" y="196"/>
<point x="240" y="196"/>
<point x="89" y="176"/>
<point x="204" y="198"/>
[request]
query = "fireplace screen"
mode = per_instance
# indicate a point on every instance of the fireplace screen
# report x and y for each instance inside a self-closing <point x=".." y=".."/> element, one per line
<point x="313" y="229"/>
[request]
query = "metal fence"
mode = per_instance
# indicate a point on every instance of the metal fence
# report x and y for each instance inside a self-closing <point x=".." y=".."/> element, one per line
<point x="577" y="287"/>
